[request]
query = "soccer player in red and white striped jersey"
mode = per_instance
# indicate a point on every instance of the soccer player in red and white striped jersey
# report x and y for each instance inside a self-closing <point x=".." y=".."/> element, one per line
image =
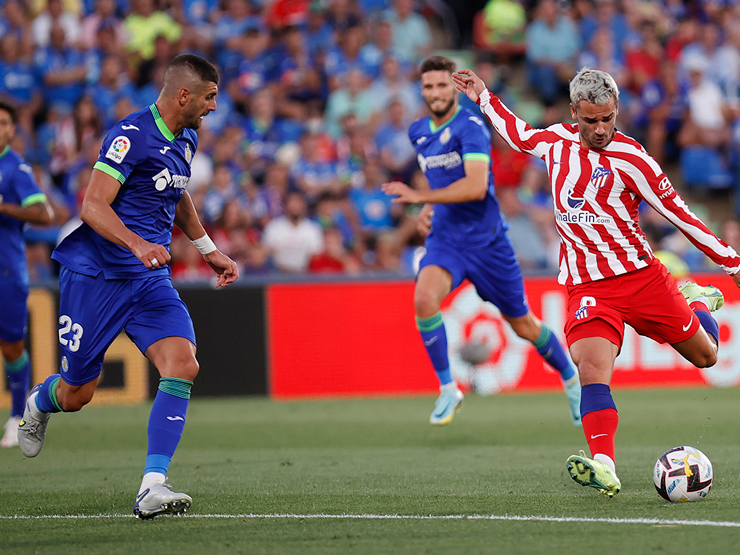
<point x="598" y="177"/>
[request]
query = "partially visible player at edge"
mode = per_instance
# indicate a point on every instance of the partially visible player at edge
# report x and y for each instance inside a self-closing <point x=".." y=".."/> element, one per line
<point x="115" y="275"/>
<point x="599" y="176"/>
<point x="21" y="201"/>
<point x="465" y="235"/>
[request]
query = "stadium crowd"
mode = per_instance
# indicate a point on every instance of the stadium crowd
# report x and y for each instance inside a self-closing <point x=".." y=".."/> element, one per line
<point x="315" y="102"/>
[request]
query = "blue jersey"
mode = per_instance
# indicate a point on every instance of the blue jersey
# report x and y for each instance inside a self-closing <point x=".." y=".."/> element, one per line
<point x="441" y="152"/>
<point x="153" y="167"/>
<point x="17" y="186"/>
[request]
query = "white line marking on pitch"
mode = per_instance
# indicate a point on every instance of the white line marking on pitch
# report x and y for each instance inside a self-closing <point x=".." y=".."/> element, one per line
<point x="531" y="518"/>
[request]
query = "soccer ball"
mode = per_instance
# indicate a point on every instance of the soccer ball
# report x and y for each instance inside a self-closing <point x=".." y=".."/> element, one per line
<point x="683" y="474"/>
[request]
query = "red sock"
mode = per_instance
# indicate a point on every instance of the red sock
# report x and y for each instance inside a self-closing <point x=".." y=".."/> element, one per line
<point x="600" y="427"/>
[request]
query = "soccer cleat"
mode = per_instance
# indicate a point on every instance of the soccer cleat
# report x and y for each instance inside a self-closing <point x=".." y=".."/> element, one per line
<point x="695" y="292"/>
<point x="593" y="473"/>
<point x="573" y="392"/>
<point x="32" y="430"/>
<point x="159" y="499"/>
<point x="446" y="405"/>
<point x="10" y="438"/>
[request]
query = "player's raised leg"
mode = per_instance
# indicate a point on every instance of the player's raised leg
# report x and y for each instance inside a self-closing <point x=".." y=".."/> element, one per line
<point x="433" y="284"/>
<point x="595" y="359"/>
<point x="174" y="357"/>
<point x="532" y="329"/>
<point x="701" y="349"/>
<point x="18" y="371"/>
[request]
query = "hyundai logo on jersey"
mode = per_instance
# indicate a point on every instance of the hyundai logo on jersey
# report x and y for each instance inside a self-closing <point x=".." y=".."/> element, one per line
<point x="600" y="177"/>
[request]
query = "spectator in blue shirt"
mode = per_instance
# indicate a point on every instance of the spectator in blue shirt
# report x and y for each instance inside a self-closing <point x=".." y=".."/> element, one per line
<point x="394" y="147"/>
<point x="347" y="57"/>
<point x="112" y="85"/>
<point x="63" y="70"/>
<point x="314" y="175"/>
<point x="375" y="214"/>
<point x="250" y="72"/>
<point x="552" y="47"/>
<point x="18" y="80"/>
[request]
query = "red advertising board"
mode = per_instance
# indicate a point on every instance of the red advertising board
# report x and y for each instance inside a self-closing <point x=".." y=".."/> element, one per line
<point x="354" y="339"/>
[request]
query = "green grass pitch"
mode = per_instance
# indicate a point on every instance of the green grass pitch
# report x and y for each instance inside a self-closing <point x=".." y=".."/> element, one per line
<point x="502" y="456"/>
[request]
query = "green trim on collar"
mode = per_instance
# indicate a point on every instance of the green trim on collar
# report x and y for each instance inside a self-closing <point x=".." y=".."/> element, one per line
<point x="5" y="151"/>
<point x="433" y="128"/>
<point x="160" y="124"/>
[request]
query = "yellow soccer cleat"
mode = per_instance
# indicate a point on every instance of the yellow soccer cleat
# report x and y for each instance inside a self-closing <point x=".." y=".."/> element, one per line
<point x="596" y="474"/>
<point x="694" y="292"/>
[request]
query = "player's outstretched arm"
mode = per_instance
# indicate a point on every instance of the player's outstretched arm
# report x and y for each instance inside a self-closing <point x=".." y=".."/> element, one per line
<point x="38" y="213"/>
<point x="97" y="213"/>
<point x="186" y="218"/>
<point x="513" y="130"/>
<point x="472" y="187"/>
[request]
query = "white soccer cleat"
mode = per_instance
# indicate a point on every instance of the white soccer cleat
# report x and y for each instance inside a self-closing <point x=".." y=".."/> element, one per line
<point x="447" y="404"/>
<point x="32" y="430"/>
<point x="10" y="438"/>
<point x="159" y="499"/>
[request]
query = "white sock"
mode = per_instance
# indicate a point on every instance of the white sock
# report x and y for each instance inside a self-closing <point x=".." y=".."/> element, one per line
<point x="151" y="478"/>
<point x="35" y="411"/>
<point x="606" y="459"/>
<point x="451" y="385"/>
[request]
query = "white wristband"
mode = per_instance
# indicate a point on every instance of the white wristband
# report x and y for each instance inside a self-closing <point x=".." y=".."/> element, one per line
<point x="205" y="244"/>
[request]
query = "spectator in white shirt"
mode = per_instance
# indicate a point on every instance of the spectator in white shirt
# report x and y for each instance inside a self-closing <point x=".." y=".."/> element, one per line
<point x="293" y="239"/>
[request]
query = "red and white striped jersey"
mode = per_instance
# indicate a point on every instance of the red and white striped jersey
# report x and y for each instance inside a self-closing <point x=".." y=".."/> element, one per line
<point x="596" y="195"/>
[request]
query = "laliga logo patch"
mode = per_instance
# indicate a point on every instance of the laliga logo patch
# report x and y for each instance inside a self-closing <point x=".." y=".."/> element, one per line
<point x="600" y="177"/>
<point x="118" y="149"/>
<point x="444" y="138"/>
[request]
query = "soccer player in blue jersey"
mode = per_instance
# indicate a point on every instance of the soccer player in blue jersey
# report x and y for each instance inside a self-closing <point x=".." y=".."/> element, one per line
<point x="114" y="273"/>
<point x="21" y="201"/>
<point x="465" y="236"/>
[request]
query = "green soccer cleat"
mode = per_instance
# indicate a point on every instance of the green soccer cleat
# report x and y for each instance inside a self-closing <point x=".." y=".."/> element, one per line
<point x="596" y="474"/>
<point x="573" y="392"/>
<point x="694" y="292"/>
<point x="446" y="405"/>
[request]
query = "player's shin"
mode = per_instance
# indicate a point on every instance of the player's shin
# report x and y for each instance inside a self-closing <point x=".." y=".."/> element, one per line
<point x="600" y="421"/>
<point x="434" y="336"/>
<point x="549" y="348"/>
<point x="166" y="424"/>
<point x="19" y="380"/>
<point x="706" y="320"/>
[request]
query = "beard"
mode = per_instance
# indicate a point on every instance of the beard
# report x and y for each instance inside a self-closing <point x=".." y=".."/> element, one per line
<point x="440" y="113"/>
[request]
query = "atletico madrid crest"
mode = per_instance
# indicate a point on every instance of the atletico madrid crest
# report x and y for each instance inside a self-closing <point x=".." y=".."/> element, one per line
<point x="600" y="177"/>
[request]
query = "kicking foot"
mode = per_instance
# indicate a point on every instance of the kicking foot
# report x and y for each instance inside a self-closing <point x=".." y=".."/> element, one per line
<point x="593" y="473"/>
<point x="712" y="296"/>
<point x="159" y="499"/>
<point x="446" y="405"/>
<point x="32" y="427"/>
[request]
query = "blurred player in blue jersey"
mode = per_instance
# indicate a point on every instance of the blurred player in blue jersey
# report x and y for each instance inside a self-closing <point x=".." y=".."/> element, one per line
<point x="465" y="236"/>
<point x="21" y="201"/>
<point x="114" y="273"/>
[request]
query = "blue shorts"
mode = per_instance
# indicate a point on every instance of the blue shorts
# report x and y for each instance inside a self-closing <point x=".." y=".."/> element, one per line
<point x="13" y="310"/>
<point x="493" y="270"/>
<point x="93" y="311"/>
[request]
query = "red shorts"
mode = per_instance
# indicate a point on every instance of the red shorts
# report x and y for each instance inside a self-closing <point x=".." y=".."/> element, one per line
<point x="647" y="299"/>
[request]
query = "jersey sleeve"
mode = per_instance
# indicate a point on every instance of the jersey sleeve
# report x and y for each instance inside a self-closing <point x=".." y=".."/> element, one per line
<point x="643" y="176"/>
<point x="123" y="148"/>
<point x="513" y="130"/>
<point x="475" y="143"/>
<point x="26" y="187"/>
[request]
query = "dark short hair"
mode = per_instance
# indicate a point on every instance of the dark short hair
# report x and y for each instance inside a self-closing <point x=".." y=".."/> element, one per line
<point x="200" y="66"/>
<point x="8" y="107"/>
<point x="437" y="63"/>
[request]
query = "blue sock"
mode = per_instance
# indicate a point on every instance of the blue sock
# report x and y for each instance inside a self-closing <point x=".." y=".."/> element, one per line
<point x="709" y="324"/>
<point x="19" y="380"/>
<point x="166" y="423"/>
<point x="434" y="335"/>
<point x="596" y="396"/>
<point x="549" y="348"/>
<point x="46" y="400"/>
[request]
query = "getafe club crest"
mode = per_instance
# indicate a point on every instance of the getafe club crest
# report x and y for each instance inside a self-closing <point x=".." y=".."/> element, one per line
<point x="600" y="177"/>
<point x="188" y="153"/>
<point x="444" y="138"/>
